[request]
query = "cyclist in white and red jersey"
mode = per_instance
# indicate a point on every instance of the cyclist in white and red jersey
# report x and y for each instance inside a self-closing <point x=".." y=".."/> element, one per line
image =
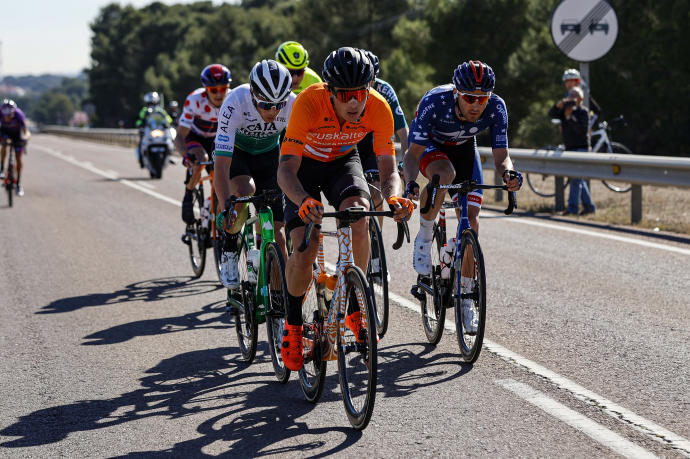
<point x="196" y="130"/>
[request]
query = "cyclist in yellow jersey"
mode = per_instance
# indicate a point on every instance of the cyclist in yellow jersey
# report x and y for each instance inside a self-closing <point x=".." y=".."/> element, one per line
<point x="293" y="56"/>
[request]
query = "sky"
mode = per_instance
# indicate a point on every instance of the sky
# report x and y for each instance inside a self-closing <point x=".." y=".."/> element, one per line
<point x="50" y="36"/>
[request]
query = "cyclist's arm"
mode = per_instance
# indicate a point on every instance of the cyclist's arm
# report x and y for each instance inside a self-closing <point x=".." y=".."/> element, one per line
<point x="388" y="173"/>
<point x="181" y="139"/>
<point x="288" y="181"/>
<point x="411" y="161"/>
<point x="221" y="167"/>
<point x="402" y="136"/>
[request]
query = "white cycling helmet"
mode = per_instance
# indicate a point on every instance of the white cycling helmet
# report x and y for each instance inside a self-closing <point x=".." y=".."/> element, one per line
<point x="152" y="98"/>
<point x="270" y="81"/>
<point x="571" y="74"/>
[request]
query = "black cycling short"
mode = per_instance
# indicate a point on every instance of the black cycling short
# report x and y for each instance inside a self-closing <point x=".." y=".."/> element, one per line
<point x="338" y="179"/>
<point x="365" y="147"/>
<point x="207" y="143"/>
<point x="262" y="168"/>
<point x="16" y="139"/>
<point x="464" y="158"/>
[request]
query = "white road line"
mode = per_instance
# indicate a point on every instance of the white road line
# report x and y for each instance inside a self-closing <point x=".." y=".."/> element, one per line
<point x="617" y="412"/>
<point x="111" y="176"/>
<point x="592" y="429"/>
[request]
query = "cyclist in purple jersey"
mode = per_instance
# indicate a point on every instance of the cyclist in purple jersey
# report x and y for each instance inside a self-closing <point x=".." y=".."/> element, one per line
<point x="442" y="141"/>
<point x="13" y="127"/>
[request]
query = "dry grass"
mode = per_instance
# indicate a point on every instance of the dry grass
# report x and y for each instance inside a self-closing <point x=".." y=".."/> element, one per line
<point x="665" y="208"/>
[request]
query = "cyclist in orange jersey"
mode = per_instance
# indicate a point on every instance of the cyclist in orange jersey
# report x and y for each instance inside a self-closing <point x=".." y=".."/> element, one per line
<point x="319" y="154"/>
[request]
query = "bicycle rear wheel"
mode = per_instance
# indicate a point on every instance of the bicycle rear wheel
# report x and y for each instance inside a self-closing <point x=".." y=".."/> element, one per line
<point x="312" y="376"/>
<point x="377" y="276"/>
<point x="543" y="184"/>
<point x="429" y="293"/>
<point x="470" y="342"/>
<point x="244" y="308"/>
<point x="618" y="187"/>
<point x="196" y="236"/>
<point x="276" y="309"/>
<point x="357" y="352"/>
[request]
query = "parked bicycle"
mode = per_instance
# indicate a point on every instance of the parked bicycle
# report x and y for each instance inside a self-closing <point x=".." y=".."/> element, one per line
<point x="337" y="312"/>
<point x="10" y="180"/>
<point x="203" y="234"/>
<point x="261" y="296"/>
<point x="543" y="184"/>
<point x="462" y="256"/>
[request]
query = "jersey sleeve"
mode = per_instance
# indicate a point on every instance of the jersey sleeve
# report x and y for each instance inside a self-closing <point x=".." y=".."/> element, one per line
<point x="499" y="129"/>
<point x="421" y="124"/>
<point x="228" y="122"/>
<point x="392" y="99"/>
<point x="383" y="129"/>
<point x="303" y="110"/>
<point x="187" y="116"/>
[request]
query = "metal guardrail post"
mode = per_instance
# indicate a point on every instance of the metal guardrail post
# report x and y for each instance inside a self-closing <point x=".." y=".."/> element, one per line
<point x="636" y="204"/>
<point x="560" y="193"/>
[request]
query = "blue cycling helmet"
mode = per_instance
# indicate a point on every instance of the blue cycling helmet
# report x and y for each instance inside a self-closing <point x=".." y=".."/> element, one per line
<point x="215" y="75"/>
<point x="473" y="75"/>
<point x="374" y="60"/>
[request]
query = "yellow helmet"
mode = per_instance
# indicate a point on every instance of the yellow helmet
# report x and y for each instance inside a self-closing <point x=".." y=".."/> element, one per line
<point x="292" y="55"/>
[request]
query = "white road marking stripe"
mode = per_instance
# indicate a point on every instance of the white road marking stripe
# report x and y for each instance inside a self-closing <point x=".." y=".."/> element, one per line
<point x="592" y="429"/>
<point x="617" y="412"/>
<point x="113" y="177"/>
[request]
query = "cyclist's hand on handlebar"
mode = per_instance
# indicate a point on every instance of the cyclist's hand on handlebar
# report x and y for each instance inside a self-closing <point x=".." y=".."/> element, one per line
<point x="188" y="160"/>
<point x="513" y="179"/>
<point x="402" y="208"/>
<point x="412" y="190"/>
<point x="311" y="210"/>
<point x="226" y="223"/>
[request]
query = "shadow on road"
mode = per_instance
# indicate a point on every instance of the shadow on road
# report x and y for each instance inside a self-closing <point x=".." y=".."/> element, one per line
<point x="150" y="290"/>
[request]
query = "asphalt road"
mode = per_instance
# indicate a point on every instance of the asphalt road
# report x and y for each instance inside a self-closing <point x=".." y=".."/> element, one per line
<point x="109" y="347"/>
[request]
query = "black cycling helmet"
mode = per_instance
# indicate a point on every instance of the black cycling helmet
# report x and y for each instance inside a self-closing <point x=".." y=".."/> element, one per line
<point x="374" y="60"/>
<point x="348" y="68"/>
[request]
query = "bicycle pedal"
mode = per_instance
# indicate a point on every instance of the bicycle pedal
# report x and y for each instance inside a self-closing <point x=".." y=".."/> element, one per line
<point x="186" y="239"/>
<point x="414" y="291"/>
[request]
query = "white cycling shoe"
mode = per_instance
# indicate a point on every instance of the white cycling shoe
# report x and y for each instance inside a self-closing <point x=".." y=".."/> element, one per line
<point x="421" y="259"/>
<point x="229" y="272"/>
<point x="470" y="318"/>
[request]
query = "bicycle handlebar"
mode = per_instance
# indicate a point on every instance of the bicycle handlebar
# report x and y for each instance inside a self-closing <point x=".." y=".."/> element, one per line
<point x="464" y="188"/>
<point x="352" y="214"/>
<point x="260" y="199"/>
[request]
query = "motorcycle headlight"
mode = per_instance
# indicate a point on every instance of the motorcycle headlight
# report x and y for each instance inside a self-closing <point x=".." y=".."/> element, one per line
<point x="156" y="133"/>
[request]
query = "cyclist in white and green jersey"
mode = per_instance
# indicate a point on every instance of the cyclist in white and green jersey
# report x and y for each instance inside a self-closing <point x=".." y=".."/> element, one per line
<point x="247" y="151"/>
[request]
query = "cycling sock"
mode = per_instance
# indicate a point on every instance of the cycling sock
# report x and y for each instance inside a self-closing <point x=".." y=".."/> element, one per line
<point x="426" y="228"/>
<point x="294" y="312"/>
<point x="466" y="283"/>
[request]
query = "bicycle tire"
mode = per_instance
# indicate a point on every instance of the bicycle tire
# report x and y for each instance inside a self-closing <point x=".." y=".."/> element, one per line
<point x="312" y="376"/>
<point x="216" y="241"/>
<point x="246" y="326"/>
<point x="433" y="319"/>
<point x="618" y="148"/>
<point x="470" y="345"/>
<point x="377" y="277"/>
<point x="197" y="241"/>
<point x="357" y="355"/>
<point x="276" y="310"/>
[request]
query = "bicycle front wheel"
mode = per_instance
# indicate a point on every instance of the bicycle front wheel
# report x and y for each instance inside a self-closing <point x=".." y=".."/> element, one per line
<point x="276" y="308"/>
<point x="618" y="187"/>
<point x="196" y="236"/>
<point x="312" y="376"/>
<point x="377" y="276"/>
<point x="357" y="351"/>
<point x="429" y="293"/>
<point x="244" y="308"/>
<point x="470" y="305"/>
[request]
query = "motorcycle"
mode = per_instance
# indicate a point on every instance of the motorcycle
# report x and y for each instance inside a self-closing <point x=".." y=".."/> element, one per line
<point x="157" y="143"/>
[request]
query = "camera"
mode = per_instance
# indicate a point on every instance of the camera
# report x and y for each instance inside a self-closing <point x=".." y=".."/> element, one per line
<point x="569" y="103"/>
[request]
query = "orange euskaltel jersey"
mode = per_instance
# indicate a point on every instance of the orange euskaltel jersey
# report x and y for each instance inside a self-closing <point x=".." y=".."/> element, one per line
<point x="313" y="130"/>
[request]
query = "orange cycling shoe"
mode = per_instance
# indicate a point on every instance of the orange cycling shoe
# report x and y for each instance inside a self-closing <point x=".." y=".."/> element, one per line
<point x="355" y="323"/>
<point x="292" y="349"/>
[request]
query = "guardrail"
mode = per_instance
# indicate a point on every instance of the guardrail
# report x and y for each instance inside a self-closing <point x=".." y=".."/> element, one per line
<point x="124" y="137"/>
<point x="637" y="170"/>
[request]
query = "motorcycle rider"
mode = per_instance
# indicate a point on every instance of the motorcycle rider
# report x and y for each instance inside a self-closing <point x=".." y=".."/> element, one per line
<point x="151" y="104"/>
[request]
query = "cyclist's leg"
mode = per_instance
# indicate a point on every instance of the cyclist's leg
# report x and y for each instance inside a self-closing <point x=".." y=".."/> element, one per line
<point x="365" y="148"/>
<point x="347" y="189"/>
<point x="3" y="151"/>
<point x="19" y="149"/>
<point x="197" y="146"/>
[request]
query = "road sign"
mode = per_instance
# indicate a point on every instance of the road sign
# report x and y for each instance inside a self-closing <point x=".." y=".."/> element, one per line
<point x="584" y="30"/>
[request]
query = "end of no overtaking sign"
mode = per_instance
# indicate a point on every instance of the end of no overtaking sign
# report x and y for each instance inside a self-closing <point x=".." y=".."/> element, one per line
<point x="584" y="30"/>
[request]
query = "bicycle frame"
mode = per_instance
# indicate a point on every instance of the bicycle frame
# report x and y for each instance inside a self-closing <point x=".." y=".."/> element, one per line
<point x="603" y="139"/>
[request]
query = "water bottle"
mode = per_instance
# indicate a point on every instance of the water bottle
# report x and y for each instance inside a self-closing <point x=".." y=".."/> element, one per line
<point x="253" y="261"/>
<point x="206" y="212"/>
<point x="447" y="258"/>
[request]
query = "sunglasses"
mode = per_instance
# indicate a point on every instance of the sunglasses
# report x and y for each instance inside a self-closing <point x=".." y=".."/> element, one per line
<point x="294" y="72"/>
<point x="472" y="98"/>
<point x="218" y="89"/>
<point x="346" y="95"/>
<point x="269" y="105"/>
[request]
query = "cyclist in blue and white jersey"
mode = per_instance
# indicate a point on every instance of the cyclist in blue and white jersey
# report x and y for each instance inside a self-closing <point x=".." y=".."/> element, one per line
<point x="442" y="141"/>
<point x="247" y="151"/>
